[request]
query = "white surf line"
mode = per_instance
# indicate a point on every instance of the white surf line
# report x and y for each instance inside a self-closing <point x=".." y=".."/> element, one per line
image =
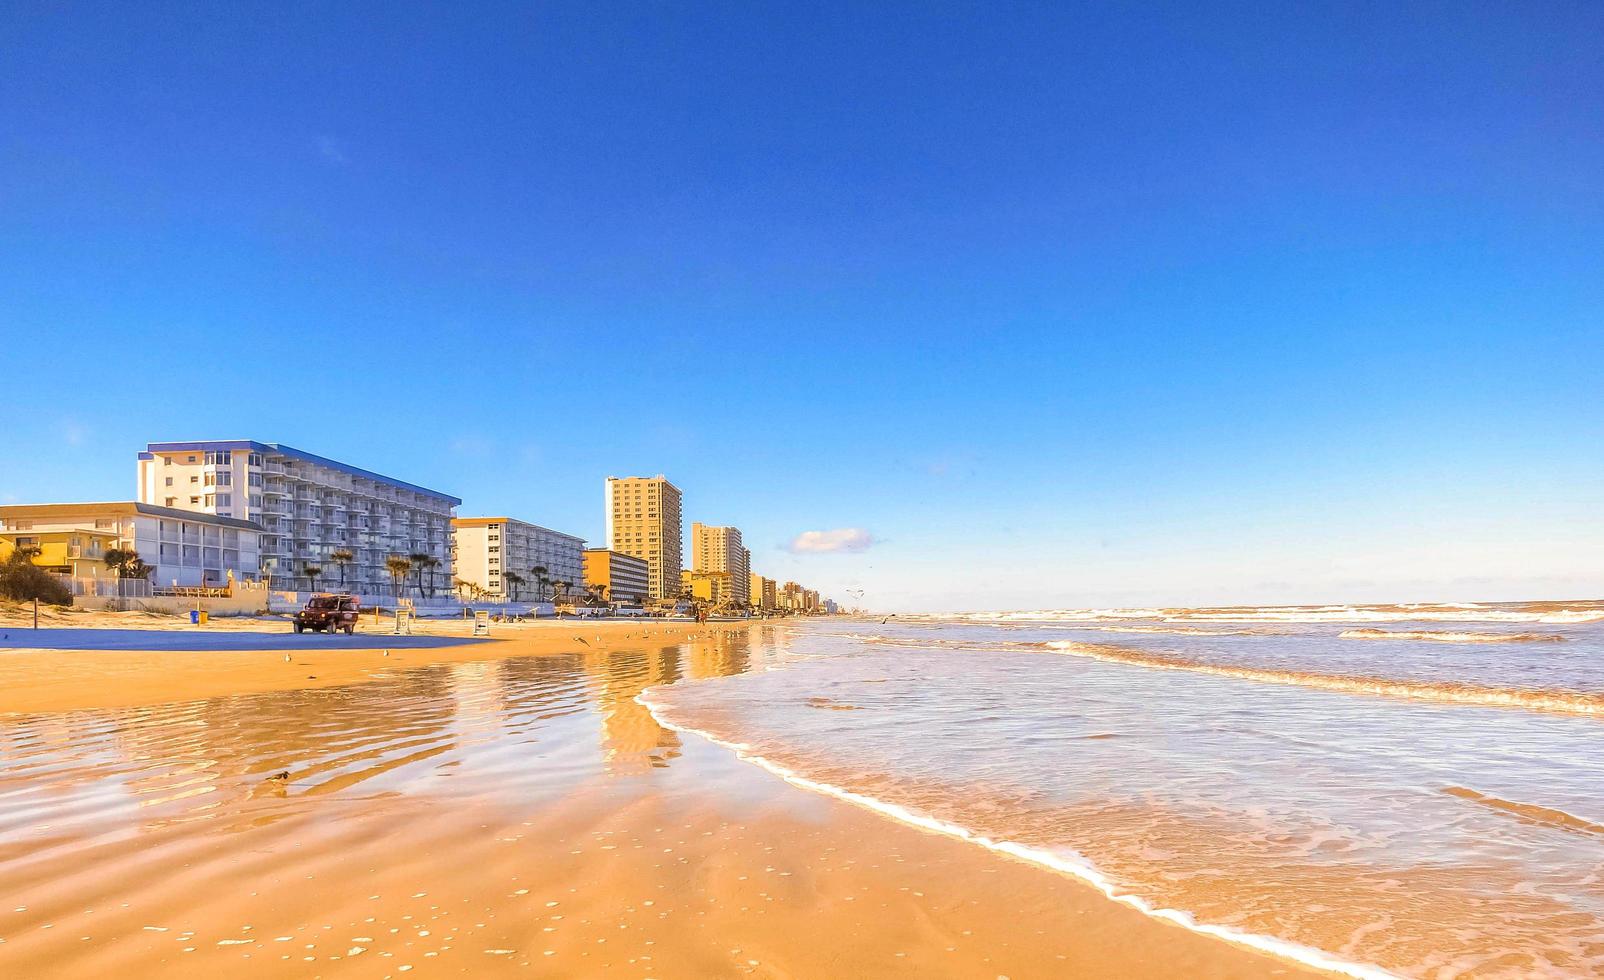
<point x="1305" y="955"/>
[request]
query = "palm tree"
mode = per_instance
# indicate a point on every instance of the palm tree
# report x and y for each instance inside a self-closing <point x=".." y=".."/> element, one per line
<point x="419" y="561"/>
<point x="342" y="557"/>
<point x="542" y="580"/>
<point x="430" y="563"/>
<point x="312" y="572"/>
<point x="119" y="561"/>
<point x="513" y="581"/>
<point x="399" y="566"/>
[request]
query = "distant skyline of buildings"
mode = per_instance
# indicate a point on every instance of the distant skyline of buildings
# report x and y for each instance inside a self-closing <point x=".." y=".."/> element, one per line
<point x="209" y="513"/>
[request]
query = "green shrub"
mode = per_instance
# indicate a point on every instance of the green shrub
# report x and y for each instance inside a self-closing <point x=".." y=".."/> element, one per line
<point x="22" y="580"/>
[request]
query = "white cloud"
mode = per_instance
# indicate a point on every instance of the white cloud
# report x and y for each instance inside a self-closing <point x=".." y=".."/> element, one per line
<point x="839" y="539"/>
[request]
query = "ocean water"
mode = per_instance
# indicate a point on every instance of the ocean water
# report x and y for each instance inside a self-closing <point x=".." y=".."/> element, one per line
<point x="1381" y="790"/>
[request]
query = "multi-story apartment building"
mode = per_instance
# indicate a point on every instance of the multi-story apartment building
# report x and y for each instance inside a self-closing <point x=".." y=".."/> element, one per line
<point x="308" y="508"/>
<point x="623" y="576"/>
<point x="186" y="549"/>
<point x="643" y="519"/>
<point x="485" y="549"/>
<point x="760" y="591"/>
<point x="715" y="588"/>
<point x="719" y="549"/>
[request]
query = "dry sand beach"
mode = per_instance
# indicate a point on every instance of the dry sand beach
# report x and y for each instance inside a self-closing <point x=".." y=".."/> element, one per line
<point x="500" y="806"/>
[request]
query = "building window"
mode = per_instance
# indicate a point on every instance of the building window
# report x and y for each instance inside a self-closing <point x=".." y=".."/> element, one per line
<point x="194" y="500"/>
<point x="225" y="500"/>
<point x="167" y="460"/>
<point x="190" y="459"/>
<point x="169" y="481"/>
<point x="172" y="501"/>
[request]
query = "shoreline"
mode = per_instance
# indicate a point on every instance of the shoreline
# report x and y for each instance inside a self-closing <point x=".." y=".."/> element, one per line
<point x="484" y="831"/>
<point x="1085" y="873"/>
<point x="42" y="678"/>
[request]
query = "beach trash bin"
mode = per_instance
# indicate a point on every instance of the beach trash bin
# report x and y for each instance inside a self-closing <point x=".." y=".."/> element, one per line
<point x="203" y="615"/>
<point x="194" y="617"/>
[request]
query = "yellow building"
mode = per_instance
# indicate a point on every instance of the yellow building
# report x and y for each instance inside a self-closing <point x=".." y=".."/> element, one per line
<point x="760" y="591"/>
<point x="713" y="588"/>
<point x="719" y="549"/>
<point x="623" y="576"/>
<point x="643" y="519"/>
<point x="77" y="552"/>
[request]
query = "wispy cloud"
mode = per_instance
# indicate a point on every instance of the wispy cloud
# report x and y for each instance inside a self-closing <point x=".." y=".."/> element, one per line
<point x="838" y="539"/>
<point x="473" y="444"/>
<point x="330" y="151"/>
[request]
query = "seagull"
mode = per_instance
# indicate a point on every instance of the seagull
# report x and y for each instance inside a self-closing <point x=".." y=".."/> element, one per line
<point x="582" y="640"/>
<point x="286" y="658"/>
<point x="280" y="775"/>
<point x="386" y="653"/>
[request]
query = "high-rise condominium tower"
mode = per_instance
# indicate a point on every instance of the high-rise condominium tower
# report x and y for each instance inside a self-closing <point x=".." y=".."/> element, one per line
<point x="719" y="549"/>
<point x="643" y="519"/>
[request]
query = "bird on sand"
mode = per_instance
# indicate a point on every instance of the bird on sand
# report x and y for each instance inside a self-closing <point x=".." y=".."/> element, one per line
<point x="286" y="658"/>
<point x="581" y="639"/>
<point x="386" y="653"/>
<point x="281" y="776"/>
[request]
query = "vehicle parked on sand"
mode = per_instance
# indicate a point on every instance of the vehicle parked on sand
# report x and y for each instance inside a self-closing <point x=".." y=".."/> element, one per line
<point x="327" y="612"/>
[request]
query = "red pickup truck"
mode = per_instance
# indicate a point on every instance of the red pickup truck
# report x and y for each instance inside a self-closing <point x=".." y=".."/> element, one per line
<point x="327" y="612"/>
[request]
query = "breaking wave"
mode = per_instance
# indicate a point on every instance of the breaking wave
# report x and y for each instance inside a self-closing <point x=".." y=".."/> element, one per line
<point x="1566" y="702"/>
<point x="1555" y="613"/>
<point x="1450" y="636"/>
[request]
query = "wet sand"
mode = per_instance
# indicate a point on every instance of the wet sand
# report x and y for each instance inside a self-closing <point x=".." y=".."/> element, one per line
<point x="499" y="807"/>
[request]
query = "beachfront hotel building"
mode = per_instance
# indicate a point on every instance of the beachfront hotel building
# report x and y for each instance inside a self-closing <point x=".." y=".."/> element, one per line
<point x="187" y="549"/>
<point x="484" y="549"/>
<point x="624" y="577"/>
<point x="714" y="588"/>
<point x="760" y="591"/>
<point x="643" y="519"/>
<point x="308" y="507"/>
<point x="719" y="549"/>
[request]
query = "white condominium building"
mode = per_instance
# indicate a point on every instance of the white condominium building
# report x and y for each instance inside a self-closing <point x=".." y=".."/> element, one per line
<point x="643" y="519"/>
<point x="309" y="509"/>
<point x="719" y="549"/>
<point x="186" y="549"/>
<point x="485" y="550"/>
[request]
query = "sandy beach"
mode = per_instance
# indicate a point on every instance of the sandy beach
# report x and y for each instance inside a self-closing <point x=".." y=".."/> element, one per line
<point x="480" y="807"/>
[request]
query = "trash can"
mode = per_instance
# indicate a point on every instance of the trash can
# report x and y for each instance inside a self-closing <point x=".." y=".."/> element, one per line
<point x="197" y="617"/>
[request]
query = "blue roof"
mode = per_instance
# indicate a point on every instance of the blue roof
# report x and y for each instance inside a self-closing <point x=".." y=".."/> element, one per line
<point x="278" y="447"/>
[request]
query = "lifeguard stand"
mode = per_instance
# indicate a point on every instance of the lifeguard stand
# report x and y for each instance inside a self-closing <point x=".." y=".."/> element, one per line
<point x="405" y="612"/>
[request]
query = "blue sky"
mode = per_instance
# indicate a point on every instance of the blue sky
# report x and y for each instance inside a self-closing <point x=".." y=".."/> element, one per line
<point x="1062" y="306"/>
